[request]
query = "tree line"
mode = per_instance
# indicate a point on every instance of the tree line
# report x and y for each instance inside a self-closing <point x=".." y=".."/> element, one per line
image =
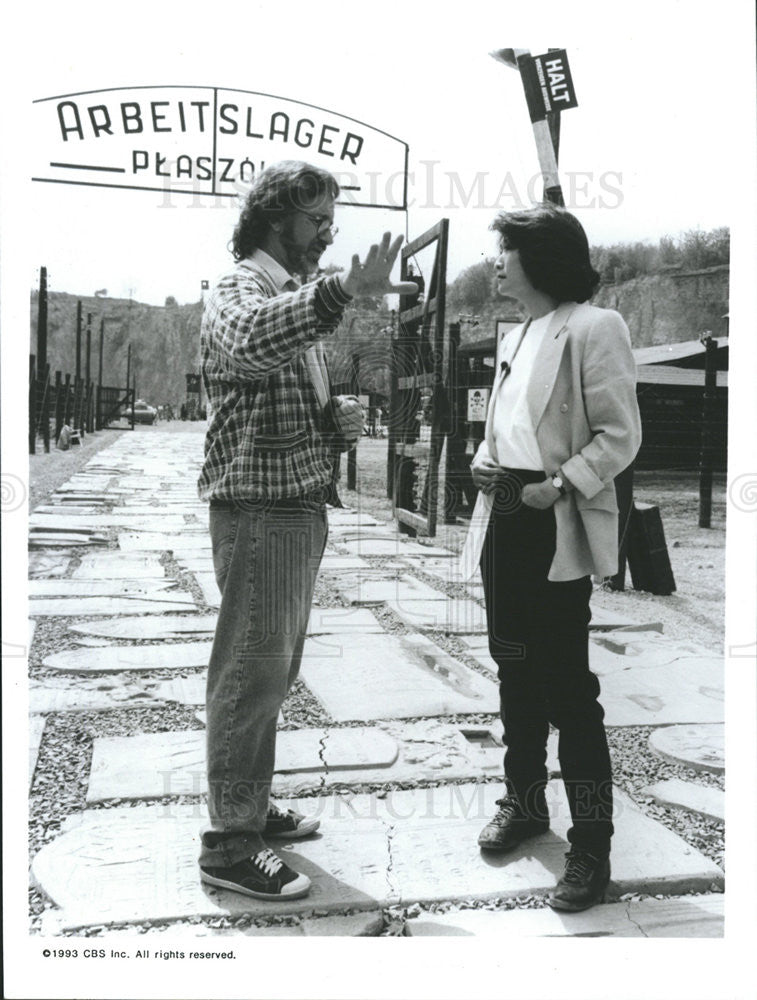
<point x="475" y="288"/>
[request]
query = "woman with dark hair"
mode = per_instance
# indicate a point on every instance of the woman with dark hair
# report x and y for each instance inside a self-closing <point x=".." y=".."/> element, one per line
<point x="563" y="421"/>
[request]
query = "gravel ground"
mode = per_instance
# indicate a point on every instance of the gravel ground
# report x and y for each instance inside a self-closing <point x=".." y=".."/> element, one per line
<point x="694" y="612"/>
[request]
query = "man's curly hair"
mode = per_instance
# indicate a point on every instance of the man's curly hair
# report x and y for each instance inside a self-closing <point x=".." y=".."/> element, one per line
<point x="279" y="189"/>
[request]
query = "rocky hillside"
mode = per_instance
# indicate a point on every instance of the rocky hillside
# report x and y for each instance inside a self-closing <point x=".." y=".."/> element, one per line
<point x="164" y="342"/>
<point x="668" y="308"/>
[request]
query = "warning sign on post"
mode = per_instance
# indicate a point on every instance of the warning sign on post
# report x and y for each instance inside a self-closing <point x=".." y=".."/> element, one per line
<point x="478" y="401"/>
<point x="555" y="81"/>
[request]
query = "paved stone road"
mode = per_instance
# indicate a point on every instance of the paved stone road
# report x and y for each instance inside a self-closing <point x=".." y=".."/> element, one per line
<point x="390" y="695"/>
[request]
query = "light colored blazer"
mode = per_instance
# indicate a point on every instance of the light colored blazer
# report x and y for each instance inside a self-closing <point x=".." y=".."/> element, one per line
<point x="582" y="401"/>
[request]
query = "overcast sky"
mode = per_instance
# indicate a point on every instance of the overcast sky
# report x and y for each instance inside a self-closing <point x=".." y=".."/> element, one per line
<point x="652" y="148"/>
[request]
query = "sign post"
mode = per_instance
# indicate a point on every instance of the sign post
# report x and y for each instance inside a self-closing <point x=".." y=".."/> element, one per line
<point x="548" y="86"/>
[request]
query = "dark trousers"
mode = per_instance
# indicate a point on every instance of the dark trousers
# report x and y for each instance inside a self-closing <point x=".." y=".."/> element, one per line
<point x="539" y="639"/>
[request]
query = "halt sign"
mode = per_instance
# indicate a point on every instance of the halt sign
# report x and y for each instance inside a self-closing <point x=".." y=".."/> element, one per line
<point x="555" y="81"/>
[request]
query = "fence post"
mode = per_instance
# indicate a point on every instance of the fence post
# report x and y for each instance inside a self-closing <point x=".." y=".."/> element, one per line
<point x="352" y="453"/>
<point x="77" y="421"/>
<point x="59" y="401"/>
<point x="707" y="443"/>
<point x="67" y="407"/>
<point x="98" y="401"/>
<point x="32" y="404"/>
<point x="45" y="414"/>
<point x="78" y="339"/>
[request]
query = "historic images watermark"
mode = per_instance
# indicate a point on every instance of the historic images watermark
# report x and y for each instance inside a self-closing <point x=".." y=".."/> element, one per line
<point x="428" y="187"/>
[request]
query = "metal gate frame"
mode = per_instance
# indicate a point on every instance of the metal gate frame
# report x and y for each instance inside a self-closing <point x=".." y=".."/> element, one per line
<point x="111" y="400"/>
<point x="420" y="358"/>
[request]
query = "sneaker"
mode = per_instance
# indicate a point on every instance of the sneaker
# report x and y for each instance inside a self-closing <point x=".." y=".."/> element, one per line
<point x="288" y="823"/>
<point x="509" y="827"/>
<point x="264" y="876"/>
<point x="583" y="883"/>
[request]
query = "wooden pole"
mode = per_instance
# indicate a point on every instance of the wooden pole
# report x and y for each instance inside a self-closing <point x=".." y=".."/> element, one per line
<point x="78" y="339"/>
<point x="352" y="453"/>
<point x="88" y="377"/>
<point x="98" y="418"/>
<point x="32" y="404"/>
<point x="42" y="323"/>
<point x="707" y="446"/>
<point x="67" y="409"/>
<point x="42" y="366"/>
<point x="59" y="403"/>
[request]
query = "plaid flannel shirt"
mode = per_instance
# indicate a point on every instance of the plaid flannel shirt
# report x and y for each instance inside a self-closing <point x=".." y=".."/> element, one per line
<point x="268" y="437"/>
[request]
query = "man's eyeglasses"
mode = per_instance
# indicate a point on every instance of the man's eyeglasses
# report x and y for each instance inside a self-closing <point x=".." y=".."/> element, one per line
<point x="323" y="223"/>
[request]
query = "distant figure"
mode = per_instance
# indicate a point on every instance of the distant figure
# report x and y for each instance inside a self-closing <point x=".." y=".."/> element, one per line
<point x="64" y="438"/>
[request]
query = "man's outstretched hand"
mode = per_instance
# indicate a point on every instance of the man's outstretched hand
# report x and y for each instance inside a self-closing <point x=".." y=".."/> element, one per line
<point x="371" y="277"/>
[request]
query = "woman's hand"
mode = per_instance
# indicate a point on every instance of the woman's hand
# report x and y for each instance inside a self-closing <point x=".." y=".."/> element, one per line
<point x="485" y="473"/>
<point x="539" y="495"/>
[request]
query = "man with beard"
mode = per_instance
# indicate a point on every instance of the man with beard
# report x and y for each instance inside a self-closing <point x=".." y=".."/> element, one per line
<point x="274" y="436"/>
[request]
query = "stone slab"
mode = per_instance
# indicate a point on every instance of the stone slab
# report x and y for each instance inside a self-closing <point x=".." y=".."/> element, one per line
<point x="699" y="746"/>
<point x="625" y="650"/>
<point x="612" y="652"/>
<point x="184" y="690"/>
<point x="342" y="622"/>
<point x="90" y="694"/>
<point x="605" y="619"/>
<point x="36" y="728"/>
<point x="47" y="564"/>
<point x="139" y="863"/>
<point x="155" y="764"/>
<point x="113" y="565"/>
<point x="333" y="563"/>
<point x="132" y="541"/>
<point x="346" y="516"/>
<point x="150" y="627"/>
<point x="130" y="587"/>
<point x="179" y="655"/>
<point x="81" y="607"/>
<point x="143" y="767"/>
<point x="685" y="917"/>
<point x="367" y="546"/>
<point x="389" y="676"/>
<point x="702" y="799"/>
<point x="361" y="588"/>
<point x="202" y="562"/>
<point x="456" y="617"/>
<point x="686" y="691"/>
<point x="63" y="539"/>
<point x="447" y="571"/>
<point x="210" y="592"/>
<point x="91" y="522"/>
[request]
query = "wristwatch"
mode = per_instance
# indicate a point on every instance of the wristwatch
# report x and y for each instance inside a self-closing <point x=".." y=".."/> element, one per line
<point x="559" y="483"/>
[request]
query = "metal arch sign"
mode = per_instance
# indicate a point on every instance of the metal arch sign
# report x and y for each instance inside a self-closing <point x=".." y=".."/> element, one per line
<point x="209" y="141"/>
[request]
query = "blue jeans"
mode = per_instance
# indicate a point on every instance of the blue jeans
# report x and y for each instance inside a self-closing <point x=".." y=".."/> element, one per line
<point x="266" y="560"/>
